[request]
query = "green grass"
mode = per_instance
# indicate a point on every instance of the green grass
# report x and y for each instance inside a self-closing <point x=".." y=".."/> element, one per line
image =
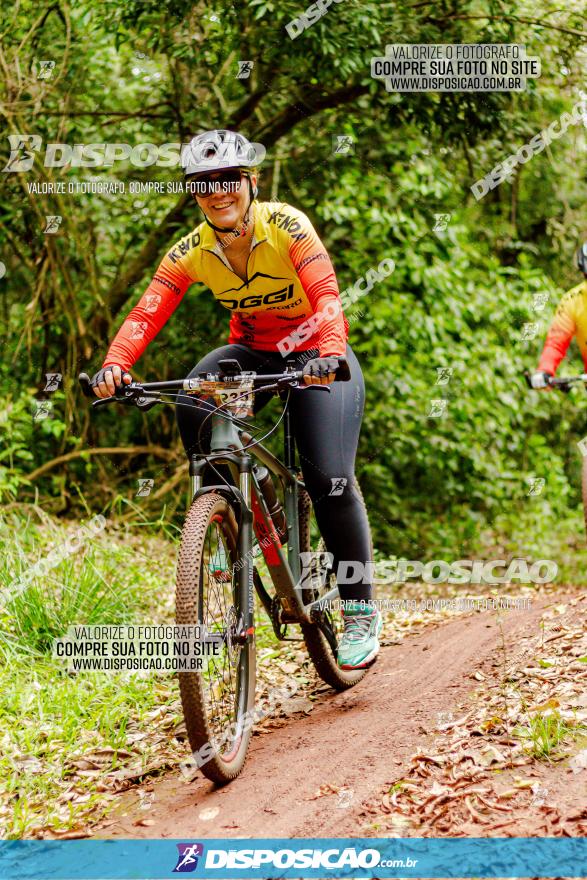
<point x="545" y="733"/>
<point x="48" y="718"/>
<point x="47" y="714"/>
<point x="95" y="584"/>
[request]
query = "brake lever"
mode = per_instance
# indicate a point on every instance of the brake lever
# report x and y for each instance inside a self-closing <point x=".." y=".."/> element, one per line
<point x="121" y="395"/>
<point x="285" y="384"/>
<point x="147" y="402"/>
<point x="303" y="385"/>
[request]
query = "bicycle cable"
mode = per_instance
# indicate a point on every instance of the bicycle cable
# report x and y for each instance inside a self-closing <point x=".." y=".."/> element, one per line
<point x="208" y="457"/>
<point x="163" y="398"/>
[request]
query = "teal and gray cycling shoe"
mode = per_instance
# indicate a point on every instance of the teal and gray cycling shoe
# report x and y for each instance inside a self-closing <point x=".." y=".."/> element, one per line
<point x="359" y="645"/>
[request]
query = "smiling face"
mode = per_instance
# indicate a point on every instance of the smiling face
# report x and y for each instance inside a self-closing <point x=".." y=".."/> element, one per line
<point x="226" y="209"/>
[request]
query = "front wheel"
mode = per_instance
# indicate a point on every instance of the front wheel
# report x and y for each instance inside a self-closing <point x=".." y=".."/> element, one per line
<point x="323" y="636"/>
<point x="217" y="701"/>
<point x="584" y="490"/>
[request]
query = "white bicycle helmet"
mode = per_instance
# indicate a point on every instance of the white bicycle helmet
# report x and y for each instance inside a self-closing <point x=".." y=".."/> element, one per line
<point x="217" y="150"/>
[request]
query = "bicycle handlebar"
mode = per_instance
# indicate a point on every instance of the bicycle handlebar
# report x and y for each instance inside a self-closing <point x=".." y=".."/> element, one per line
<point x="563" y="383"/>
<point x="145" y="395"/>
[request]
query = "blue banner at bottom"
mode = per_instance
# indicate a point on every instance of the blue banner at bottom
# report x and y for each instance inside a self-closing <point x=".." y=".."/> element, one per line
<point x="299" y="858"/>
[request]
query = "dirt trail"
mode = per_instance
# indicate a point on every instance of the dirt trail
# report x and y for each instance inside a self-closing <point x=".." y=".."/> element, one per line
<point x="357" y="740"/>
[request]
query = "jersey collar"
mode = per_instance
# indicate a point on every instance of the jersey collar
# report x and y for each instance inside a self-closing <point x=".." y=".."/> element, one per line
<point x="209" y="242"/>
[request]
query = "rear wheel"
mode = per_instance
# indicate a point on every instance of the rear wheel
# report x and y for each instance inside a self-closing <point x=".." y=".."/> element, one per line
<point x="216" y="700"/>
<point x="584" y="490"/>
<point x="323" y="636"/>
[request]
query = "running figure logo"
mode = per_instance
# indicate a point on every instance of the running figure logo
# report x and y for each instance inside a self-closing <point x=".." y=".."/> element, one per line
<point x="53" y="381"/>
<point x="21" y="158"/>
<point x="42" y="410"/>
<point x="244" y="69"/>
<point x="536" y="486"/>
<point x="342" y="143"/>
<point x="52" y="223"/>
<point x="137" y="329"/>
<point x="152" y="301"/>
<point x="444" y="375"/>
<point x="438" y="408"/>
<point x="539" y="300"/>
<point x="46" y="69"/>
<point x="187" y="860"/>
<point x="145" y="487"/>
<point x="529" y="331"/>
<point x="441" y="222"/>
<point x="337" y="485"/>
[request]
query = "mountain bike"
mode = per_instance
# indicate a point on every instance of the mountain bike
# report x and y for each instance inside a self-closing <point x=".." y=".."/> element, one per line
<point x="564" y="384"/>
<point x="217" y="576"/>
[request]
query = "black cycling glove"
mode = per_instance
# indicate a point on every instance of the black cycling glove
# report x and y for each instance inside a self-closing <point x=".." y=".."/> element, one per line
<point x="100" y="376"/>
<point x="320" y="367"/>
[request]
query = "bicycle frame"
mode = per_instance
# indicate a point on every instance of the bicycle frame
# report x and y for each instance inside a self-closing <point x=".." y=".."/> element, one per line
<point x="228" y="446"/>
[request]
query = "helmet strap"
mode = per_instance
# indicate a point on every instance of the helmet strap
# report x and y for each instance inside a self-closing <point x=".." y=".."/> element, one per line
<point x="242" y="230"/>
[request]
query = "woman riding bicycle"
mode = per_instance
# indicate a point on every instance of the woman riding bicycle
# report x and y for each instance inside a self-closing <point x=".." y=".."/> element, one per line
<point x="570" y="320"/>
<point x="265" y="262"/>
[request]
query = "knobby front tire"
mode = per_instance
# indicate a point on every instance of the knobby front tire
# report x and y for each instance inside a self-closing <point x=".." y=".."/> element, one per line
<point x="218" y="701"/>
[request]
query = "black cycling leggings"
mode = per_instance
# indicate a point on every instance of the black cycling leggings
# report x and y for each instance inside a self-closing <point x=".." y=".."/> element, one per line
<point x="326" y="427"/>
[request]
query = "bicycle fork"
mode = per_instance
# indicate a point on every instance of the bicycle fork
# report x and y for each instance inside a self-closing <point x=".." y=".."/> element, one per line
<point x="241" y="499"/>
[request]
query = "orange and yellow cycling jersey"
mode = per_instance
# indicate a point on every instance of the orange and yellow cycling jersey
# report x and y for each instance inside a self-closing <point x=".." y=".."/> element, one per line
<point x="570" y="320"/>
<point x="289" y="278"/>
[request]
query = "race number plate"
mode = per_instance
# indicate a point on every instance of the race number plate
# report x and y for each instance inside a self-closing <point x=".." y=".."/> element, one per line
<point x="233" y="397"/>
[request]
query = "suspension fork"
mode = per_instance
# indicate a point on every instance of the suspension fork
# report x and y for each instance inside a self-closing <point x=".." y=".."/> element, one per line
<point x="241" y="465"/>
<point x="196" y="470"/>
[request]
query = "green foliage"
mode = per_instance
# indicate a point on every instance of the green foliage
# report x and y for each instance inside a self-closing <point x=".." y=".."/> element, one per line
<point x="545" y="733"/>
<point x="458" y="298"/>
<point x="94" y="583"/>
<point x="15" y="454"/>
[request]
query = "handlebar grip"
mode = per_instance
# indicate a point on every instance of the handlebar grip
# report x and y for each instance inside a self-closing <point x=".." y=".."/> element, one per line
<point x="343" y="374"/>
<point x="84" y="381"/>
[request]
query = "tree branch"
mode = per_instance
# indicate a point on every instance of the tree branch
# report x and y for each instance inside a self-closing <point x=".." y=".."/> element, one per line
<point x="122" y="113"/>
<point x="509" y="18"/>
<point x="247" y="108"/>
<point x="102" y="450"/>
<point x="118" y="293"/>
<point x="308" y="105"/>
